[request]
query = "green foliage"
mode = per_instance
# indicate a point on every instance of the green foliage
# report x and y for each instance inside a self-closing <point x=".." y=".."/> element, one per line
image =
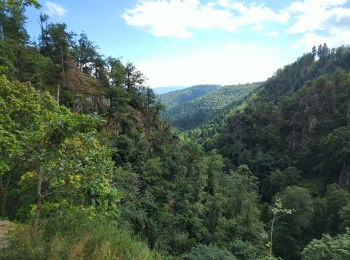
<point x="64" y="162"/>
<point x="335" y="154"/>
<point x="278" y="211"/>
<point x="168" y="197"/>
<point x="21" y="106"/>
<point x="291" y="228"/>
<point x="278" y="180"/>
<point x="336" y="199"/>
<point x="233" y="217"/>
<point x="344" y="215"/>
<point x="291" y="134"/>
<point x="328" y="248"/>
<point x="195" y="112"/>
<point x="208" y="252"/>
<point x="91" y="241"/>
<point x="24" y="3"/>
<point x="76" y="174"/>
<point x="179" y="97"/>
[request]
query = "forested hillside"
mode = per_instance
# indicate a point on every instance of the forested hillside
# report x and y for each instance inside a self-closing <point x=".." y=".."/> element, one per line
<point x="89" y="170"/>
<point x="208" y="107"/>
<point x="183" y="96"/>
<point x="293" y="133"/>
<point x="88" y="162"/>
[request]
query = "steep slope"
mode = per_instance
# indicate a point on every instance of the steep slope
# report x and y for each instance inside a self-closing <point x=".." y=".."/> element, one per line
<point x="293" y="133"/>
<point x="179" y="97"/>
<point x="254" y="129"/>
<point x="285" y="82"/>
<point x="96" y="155"/>
<point x="80" y="181"/>
<point x="206" y="108"/>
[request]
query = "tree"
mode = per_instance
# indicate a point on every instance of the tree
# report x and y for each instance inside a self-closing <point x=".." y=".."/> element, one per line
<point x="237" y="213"/>
<point x="278" y="211"/>
<point x="100" y="69"/>
<point x="134" y="78"/>
<point x="279" y="180"/>
<point x="344" y="215"/>
<point x="56" y="155"/>
<point x="119" y="108"/>
<point x="58" y="49"/>
<point x="291" y="229"/>
<point x="323" y="51"/>
<point x="34" y="3"/>
<point x="335" y="154"/>
<point x="336" y="198"/>
<point x="76" y="174"/>
<point x="12" y="21"/>
<point x="20" y="105"/>
<point x="9" y="143"/>
<point x="314" y="51"/>
<point x="18" y="59"/>
<point x="328" y="248"/>
<point x="44" y="32"/>
<point x="85" y="54"/>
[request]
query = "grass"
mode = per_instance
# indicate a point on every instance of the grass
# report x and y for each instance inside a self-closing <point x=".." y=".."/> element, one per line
<point x="97" y="241"/>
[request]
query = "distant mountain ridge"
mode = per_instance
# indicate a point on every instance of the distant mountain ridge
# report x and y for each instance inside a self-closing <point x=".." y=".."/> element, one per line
<point x="182" y="96"/>
<point x="190" y="108"/>
<point x="164" y="90"/>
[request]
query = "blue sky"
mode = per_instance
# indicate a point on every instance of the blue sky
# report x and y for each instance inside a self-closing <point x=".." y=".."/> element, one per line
<point x="188" y="42"/>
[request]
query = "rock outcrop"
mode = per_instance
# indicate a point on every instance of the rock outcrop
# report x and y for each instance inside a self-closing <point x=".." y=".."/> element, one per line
<point x="5" y="228"/>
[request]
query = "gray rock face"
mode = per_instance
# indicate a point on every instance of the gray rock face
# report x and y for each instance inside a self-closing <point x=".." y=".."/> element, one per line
<point x="5" y="228"/>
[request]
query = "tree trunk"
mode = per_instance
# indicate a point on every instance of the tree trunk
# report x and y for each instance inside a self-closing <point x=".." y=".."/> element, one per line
<point x="348" y="116"/>
<point x="63" y="77"/>
<point x="39" y="201"/>
<point x="3" y="199"/>
<point x="271" y="234"/>
<point x="3" y="194"/>
<point x="344" y="178"/>
<point x="58" y="94"/>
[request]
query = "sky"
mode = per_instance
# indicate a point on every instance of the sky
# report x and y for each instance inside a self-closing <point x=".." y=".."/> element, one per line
<point x="189" y="42"/>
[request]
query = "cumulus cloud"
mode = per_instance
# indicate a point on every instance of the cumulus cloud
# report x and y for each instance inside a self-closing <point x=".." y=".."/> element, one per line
<point x="312" y="15"/>
<point x="319" y="21"/>
<point x="311" y="22"/>
<point x="53" y="9"/>
<point x="326" y="19"/>
<point x="310" y="39"/>
<point x="177" y="18"/>
<point x="272" y="34"/>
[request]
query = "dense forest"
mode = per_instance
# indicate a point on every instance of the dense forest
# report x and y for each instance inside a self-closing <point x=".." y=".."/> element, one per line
<point x="182" y="96"/>
<point x="192" y="112"/>
<point x="89" y="170"/>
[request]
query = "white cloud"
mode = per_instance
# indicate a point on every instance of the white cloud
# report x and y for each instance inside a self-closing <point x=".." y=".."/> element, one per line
<point x="310" y="39"/>
<point x="308" y="6"/>
<point x="230" y="64"/>
<point x="176" y="18"/>
<point x="313" y="22"/>
<point x="272" y="34"/>
<point x="240" y="7"/>
<point x="320" y="21"/>
<point x="53" y="9"/>
<point x="328" y="19"/>
<point x="319" y="18"/>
